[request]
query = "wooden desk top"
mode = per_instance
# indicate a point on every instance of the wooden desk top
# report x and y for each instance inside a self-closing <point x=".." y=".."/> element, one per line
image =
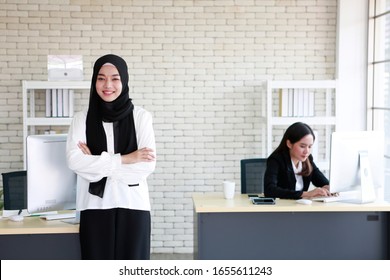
<point x="36" y="225"/>
<point x="215" y="202"/>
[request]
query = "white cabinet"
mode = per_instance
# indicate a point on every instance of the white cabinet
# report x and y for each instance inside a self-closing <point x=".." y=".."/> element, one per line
<point x="308" y="101"/>
<point x="35" y="105"/>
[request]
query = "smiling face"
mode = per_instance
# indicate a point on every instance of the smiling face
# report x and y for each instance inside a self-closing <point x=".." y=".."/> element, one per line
<point x="300" y="151"/>
<point x="108" y="83"/>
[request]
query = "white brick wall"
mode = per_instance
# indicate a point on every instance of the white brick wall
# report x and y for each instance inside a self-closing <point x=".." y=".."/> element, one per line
<point x="198" y="66"/>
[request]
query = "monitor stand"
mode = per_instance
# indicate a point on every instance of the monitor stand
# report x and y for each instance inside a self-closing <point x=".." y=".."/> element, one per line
<point x="366" y="181"/>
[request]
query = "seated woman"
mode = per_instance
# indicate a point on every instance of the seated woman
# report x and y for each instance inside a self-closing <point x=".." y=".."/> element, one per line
<point x="291" y="169"/>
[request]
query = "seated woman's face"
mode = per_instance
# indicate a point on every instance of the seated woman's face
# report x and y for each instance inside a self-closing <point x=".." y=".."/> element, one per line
<point x="300" y="151"/>
<point x="108" y="83"/>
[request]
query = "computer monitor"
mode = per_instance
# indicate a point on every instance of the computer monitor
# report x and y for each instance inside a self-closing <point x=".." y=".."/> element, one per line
<point x="51" y="185"/>
<point x="357" y="165"/>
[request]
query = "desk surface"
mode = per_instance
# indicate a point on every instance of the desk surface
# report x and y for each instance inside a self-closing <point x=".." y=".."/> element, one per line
<point x="36" y="225"/>
<point x="215" y="202"/>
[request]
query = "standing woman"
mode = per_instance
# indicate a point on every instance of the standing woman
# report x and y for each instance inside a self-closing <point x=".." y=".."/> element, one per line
<point x="112" y="149"/>
<point x="291" y="169"/>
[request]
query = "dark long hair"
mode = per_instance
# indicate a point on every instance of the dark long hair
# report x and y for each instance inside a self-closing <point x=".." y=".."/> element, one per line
<point x="294" y="133"/>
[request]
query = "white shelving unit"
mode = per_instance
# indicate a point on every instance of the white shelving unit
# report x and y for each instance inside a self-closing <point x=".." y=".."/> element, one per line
<point x="30" y="119"/>
<point x="326" y="118"/>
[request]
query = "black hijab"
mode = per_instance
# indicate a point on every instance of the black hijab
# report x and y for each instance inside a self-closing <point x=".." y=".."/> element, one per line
<point x="119" y="112"/>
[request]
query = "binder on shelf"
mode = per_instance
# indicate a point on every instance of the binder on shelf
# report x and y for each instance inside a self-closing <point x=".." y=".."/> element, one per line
<point x="65" y="102"/>
<point x="295" y="103"/>
<point x="306" y="104"/>
<point x="48" y="103"/>
<point x="71" y="102"/>
<point x="290" y="102"/>
<point x="311" y="103"/>
<point x="54" y="102"/>
<point x="60" y="103"/>
<point x="283" y="102"/>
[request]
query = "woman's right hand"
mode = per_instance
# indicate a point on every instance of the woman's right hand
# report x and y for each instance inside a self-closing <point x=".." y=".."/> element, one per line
<point x="141" y="155"/>
<point x="84" y="148"/>
<point x="316" y="192"/>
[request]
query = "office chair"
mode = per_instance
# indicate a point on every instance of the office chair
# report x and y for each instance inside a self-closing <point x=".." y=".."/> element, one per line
<point x="252" y="175"/>
<point x="15" y="190"/>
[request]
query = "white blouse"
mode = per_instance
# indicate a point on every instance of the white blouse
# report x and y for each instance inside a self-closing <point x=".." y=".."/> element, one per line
<point x="299" y="179"/>
<point x="92" y="168"/>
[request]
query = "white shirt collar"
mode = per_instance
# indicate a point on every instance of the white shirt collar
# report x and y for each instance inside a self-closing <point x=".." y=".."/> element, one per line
<point x="297" y="169"/>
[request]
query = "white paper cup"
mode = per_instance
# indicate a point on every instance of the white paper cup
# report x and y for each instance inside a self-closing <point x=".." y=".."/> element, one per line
<point x="229" y="188"/>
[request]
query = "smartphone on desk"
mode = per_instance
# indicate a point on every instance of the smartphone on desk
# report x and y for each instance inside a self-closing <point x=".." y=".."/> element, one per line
<point x="263" y="201"/>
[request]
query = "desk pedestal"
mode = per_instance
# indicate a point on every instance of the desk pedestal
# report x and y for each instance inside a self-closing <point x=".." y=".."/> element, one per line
<point x="37" y="239"/>
<point x="292" y="235"/>
<point x="40" y="247"/>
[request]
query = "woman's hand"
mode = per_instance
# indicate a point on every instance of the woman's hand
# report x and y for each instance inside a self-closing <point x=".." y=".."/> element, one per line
<point x="84" y="148"/>
<point x="324" y="191"/>
<point x="141" y="155"/>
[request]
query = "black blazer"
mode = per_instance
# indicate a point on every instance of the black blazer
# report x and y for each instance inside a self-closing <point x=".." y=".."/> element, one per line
<point x="279" y="177"/>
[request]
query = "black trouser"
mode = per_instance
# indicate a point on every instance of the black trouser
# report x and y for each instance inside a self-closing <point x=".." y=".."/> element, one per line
<point x="118" y="233"/>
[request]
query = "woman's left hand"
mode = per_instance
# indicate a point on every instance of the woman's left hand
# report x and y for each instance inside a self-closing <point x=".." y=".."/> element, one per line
<point x="141" y="155"/>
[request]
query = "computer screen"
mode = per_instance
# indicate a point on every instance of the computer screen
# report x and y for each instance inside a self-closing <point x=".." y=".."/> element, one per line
<point x="357" y="165"/>
<point x="51" y="185"/>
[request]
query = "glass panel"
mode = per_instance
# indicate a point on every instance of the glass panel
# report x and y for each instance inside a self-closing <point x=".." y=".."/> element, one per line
<point x="379" y="28"/>
<point x="386" y="129"/>
<point x="382" y="122"/>
<point x="382" y="85"/>
<point x="382" y="38"/>
<point x="382" y="6"/>
<point x="387" y="138"/>
<point x="387" y="179"/>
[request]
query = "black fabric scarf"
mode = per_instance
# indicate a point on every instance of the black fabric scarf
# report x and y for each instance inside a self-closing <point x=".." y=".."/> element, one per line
<point x="119" y="112"/>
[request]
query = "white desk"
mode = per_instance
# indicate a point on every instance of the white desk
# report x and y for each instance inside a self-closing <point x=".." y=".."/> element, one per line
<point x="237" y="229"/>
<point x="35" y="238"/>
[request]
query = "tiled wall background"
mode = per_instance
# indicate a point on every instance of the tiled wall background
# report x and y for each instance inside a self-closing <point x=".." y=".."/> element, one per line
<point x="197" y="65"/>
